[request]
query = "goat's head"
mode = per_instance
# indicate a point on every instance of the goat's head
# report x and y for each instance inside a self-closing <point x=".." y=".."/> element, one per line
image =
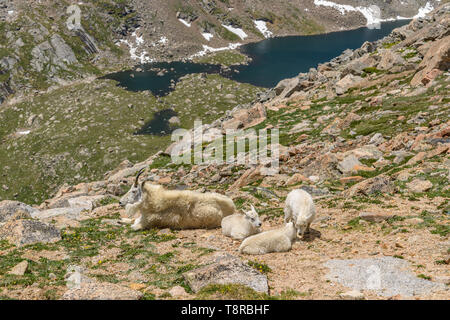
<point x="253" y="217"/>
<point x="134" y="194"/>
<point x="301" y="226"/>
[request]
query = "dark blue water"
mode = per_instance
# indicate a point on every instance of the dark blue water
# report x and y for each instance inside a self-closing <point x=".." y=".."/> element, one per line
<point x="273" y="60"/>
<point x="160" y="85"/>
<point x="280" y="58"/>
<point x="159" y="125"/>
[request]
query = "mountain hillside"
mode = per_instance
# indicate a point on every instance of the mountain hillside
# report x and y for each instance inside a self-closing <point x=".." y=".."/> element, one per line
<point x="38" y="51"/>
<point x="367" y="134"/>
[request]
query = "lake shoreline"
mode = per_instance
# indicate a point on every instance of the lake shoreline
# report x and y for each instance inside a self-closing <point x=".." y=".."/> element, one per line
<point x="272" y="60"/>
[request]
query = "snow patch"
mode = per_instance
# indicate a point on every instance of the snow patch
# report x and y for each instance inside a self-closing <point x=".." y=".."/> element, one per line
<point x="262" y="27"/>
<point x="342" y="8"/>
<point x="187" y="24"/>
<point x="424" y="11"/>
<point x="207" y="36"/>
<point x="24" y="132"/>
<point x="163" y="40"/>
<point x="372" y="13"/>
<point x="237" y="31"/>
<point x="134" y="47"/>
<point x="207" y="49"/>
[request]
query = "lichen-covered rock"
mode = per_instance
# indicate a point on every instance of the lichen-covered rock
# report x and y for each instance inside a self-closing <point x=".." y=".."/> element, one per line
<point x="23" y="232"/>
<point x="379" y="184"/>
<point x="8" y="210"/>
<point x="437" y="57"/>
<point x="226" y="269"/>
<point x="101" y="291"/>
<point x="349" y="81"/>
<point x="20" y="269"/>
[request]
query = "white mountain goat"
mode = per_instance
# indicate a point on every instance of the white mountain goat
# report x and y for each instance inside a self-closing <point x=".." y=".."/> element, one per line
<point x="175" y="209"/>
<point x="278" y="240"/>
<point x="240" y="226"/>
<point x="132" y="197"/>
<point x="299" y="209"/>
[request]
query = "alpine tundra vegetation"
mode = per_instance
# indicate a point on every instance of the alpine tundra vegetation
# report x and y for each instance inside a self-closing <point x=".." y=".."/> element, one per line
<point x="366" y="135"/>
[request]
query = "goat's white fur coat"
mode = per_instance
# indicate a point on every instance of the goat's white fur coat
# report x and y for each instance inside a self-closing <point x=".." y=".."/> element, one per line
<point x="179" y="209"/>
<point x="278" y="240"/>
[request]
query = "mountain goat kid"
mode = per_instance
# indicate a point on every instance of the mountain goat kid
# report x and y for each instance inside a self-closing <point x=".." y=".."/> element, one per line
<point x="278" y="240"/>
<point x="239" y="227"/>
<point x="175" y="209"/>
<point x="299" y="209"/>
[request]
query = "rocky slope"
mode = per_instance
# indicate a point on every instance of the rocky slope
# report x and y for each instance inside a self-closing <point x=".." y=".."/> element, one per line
<point x="38" y="51"/>
<point x="367" y="134"/>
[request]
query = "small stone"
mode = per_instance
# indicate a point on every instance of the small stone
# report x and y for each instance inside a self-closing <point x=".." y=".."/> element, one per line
<point x="374" y="217"/>
<point x="296" y="178"/>
<point x="314" y="179"/>
<point x="177" y="291"/>
<point x="413" y="221"/>
<point x="137" y="286"/>
<point x="165" y="180"/>
<point x="165" y="231"/>
<point x="363" y="168"/>
<point x="352" y="295"/>
<point x="174" y="120"/>
<point x="418" y="185"/>
<point x="20" y="269"/>
<point x="348" y="164"/>
<point x="351" y="179"/>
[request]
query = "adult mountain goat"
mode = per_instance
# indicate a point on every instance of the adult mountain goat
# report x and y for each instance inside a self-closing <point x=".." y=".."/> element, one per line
<point x="175" y="209"/>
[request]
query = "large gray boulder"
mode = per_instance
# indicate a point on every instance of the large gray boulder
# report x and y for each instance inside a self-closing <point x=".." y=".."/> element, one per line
<point x="8" y="209"/>
<point x="101" y="291"/>
<point x="349" y="81"/>
<point x="226" y="269"/>
<point x="386" y="276"/>
<point x="380" y="184"/>
<point x="52" y="54"/>
<point x="27" y="231"/>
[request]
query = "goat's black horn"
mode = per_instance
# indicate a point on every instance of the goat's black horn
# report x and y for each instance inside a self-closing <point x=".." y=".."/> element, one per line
<point x="137" y="176"/>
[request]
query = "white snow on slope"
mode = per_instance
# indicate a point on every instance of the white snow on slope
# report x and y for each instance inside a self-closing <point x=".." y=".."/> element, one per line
<point x="424" y="11"/>
<point x="372" y="13"/>
<point x="143" y="56"/>
<point x="342" y="8"/>
<point x="207" y="49"/>
<point x="208" y="36"/>
<point x="238" y="31"/>
<point x="163" y="40"/>
<point x="262" y="27"/>
<point x="187" y="24"/>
